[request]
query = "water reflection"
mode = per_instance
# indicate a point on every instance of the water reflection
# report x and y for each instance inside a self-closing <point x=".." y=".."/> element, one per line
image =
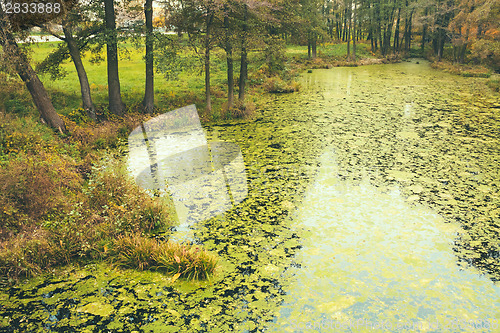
<point x="369" y="257"/>
<point x="171" y="153"/>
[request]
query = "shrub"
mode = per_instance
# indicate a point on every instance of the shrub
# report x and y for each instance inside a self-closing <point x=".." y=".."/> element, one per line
<point x="79" y="116"/>
<point x="55" y="210"/>
<point x="494" y="85"/>
<point x="27" y="255"/>
<point x="277" y="85"/>
<point x="24" y="134"/>
<point x="101" y="135"/>
<point x="34" y="186"/>
<point x="113" y="194"/>
<point x="274" y="53"/>
<point x="486" y="51"/>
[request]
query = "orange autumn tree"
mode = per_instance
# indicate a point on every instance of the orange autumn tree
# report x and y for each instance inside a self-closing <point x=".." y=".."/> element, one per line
<point x="476" y="28"/>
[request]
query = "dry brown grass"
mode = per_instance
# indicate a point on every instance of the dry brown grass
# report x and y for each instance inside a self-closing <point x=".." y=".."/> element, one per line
<point x="33" y="186"/>
<point x="462" y="69"/>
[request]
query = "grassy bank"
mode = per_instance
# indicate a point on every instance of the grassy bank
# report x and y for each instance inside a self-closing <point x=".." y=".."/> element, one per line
<point x="469" y="70"/>
<point x="466" y="70"/>
<point x="69" y="199"/>
<point x="472" y="66"/>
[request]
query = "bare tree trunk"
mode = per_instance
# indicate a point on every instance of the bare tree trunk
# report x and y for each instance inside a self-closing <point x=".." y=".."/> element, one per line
<point x="395" y="46"/>
<point x="463" y="49"/>
<point x="116" y="105"/>
<point x="424" y="34"/>
<point x="349" y="13"/>
<point x="371" y="35"/>
<point x="208" y="97"/>
<point x="308" y="46"/>
<point x="74" y="52"/>
<point x="40" y="97"/>
<point x="344" y="34"/>
<point x="388" y="33"/>
<point x="149" y="97"/>
<point x="408" y="33"/>
<point x="380" y="40"/>
<point x="338" y="30"/>
<point x="229" y="60"/>
<point x="244" y="60"/>
<point x="313" y="46"/>
<point x="354" y="33"/>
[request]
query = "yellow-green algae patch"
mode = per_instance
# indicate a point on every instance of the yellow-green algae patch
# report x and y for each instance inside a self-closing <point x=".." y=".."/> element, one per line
<point x="97" y="309"/>
<point x="371" y="257"/>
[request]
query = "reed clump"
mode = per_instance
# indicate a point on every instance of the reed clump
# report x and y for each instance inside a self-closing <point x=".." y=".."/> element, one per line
<point x="180" y="260"/>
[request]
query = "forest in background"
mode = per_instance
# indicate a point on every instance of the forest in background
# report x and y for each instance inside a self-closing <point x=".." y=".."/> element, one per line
<point x="460" y="31"/>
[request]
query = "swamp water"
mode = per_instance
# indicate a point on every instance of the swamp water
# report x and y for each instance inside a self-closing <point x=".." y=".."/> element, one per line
<point x="372" y="204"/>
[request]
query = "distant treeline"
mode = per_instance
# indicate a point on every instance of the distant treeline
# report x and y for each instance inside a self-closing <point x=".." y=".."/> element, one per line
<point x="458" y="30"/>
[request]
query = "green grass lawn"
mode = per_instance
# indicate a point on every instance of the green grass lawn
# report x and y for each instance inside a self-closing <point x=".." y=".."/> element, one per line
<point x="132" y="71"/>
<point x="188" y="88"/>
<point x="330" y="50"/>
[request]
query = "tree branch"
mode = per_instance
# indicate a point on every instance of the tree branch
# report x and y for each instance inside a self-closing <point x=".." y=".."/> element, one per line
<point x="47" y="29"/>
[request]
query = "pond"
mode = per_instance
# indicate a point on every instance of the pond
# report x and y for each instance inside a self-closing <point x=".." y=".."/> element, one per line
<point x="371" y="204"/>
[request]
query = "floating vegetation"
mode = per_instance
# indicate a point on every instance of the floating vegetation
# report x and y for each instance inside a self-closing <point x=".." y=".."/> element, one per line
<point x="373" y="193"/>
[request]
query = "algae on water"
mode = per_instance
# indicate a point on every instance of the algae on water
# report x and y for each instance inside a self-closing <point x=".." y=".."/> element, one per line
<point x="373" y="194"/>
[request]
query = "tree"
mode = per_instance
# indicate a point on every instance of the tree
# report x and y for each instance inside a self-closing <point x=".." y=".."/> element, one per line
<point x="81" y="33"/>
<point x="311" y="25"/>
<point x="243" y="54"/>
<point x="23" y="68"/>
<point x="443" y="11"/>
<point x="74" y="52"/>
<point x="148" y="101"/>
<point x="116" y="105"/>
<point x="254" y="17"/>
<point x="354" y="31"/>
<point x="228" y="47"/>
<point x="349" y="26"/>
<point x="475" y="27"/>
<point x="209" y="14"/>
<point x="198" y="19"/>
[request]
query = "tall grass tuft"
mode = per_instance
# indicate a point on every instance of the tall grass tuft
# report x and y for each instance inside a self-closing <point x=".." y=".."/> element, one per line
<point x="134" y="251"/>
<point x="139" y="252"/>
<point x="277" y="85"/>
<point x="190" y="262"/>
